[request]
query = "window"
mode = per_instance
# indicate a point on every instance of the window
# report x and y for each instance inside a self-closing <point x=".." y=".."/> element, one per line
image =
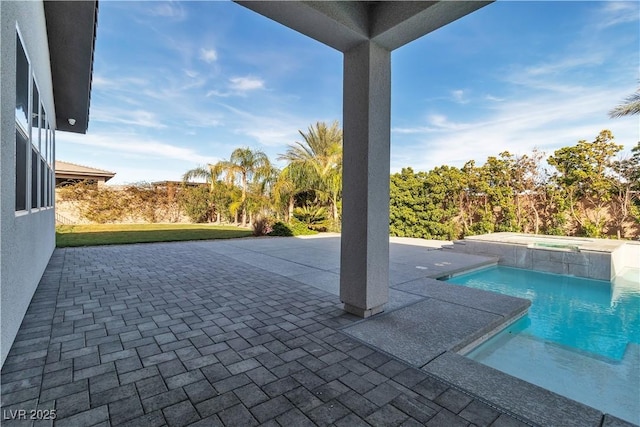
<point x="22" y="87"/>
<point x="43" y="183"/>
<point x="34" y="140"/>
<point x="34" y="178"/>
<point x="35" y="143"/>
<point x="22" y="125"/>
<point x="52" y="183"/>
<point x="35" y="114"/>
<point x="21" y="170"/>
<point x="44" y="154"/>
<point x="52" y="180"/>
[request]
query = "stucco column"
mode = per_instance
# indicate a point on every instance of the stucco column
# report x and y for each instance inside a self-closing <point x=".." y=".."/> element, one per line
<point x="364" y="257"/>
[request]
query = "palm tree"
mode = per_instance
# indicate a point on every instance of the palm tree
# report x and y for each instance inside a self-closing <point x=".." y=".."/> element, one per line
<point x="248" y="166"/>
<point x="290" y="181"/>
<point x="202" y="172"/>
<point x="259" y="194"/>
<point x="630" y="106"/>
<point x="320" y="159"/>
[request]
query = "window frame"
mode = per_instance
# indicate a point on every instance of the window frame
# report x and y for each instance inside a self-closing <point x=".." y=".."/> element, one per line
<point x="39" y="144"/>
<point x="25" y="133"/>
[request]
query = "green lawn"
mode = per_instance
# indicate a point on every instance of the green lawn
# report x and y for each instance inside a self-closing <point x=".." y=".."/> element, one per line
<point x="117" y="234"/>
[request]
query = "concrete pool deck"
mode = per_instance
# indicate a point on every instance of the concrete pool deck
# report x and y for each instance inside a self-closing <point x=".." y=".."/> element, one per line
<point x="250" y="331"/>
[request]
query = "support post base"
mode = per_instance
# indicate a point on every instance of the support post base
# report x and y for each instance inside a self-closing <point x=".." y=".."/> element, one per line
<point x="361" y="312"/>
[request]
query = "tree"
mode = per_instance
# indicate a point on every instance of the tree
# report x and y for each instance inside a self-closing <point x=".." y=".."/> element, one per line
<point x="626" y="190"/>
<point x="514" y="186"/>
<point x="630" y="106"/>
<point x="196" y="203"/>
<point x="258" y="196"/>
<point x="285" y="188"/>
<point x="475" y="207"/>
<point x="584" y="173"/>
<point x="528" y="182"/>
<point x="425" y="205"/>
<point x="406" y="207"/>
<point x="319" y="158"/>
<point x="498" y="176"/>
<point x="443" y="186"/>
<point x="245" y="167"/>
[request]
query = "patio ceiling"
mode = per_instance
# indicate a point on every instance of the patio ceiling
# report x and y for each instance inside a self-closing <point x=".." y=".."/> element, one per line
<point x="345" y="24"/>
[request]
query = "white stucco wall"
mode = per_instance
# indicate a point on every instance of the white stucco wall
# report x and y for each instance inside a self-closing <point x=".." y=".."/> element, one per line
<point x="27" y="240"/>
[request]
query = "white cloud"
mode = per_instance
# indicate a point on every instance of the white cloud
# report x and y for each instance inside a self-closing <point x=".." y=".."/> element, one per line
<point x="437" y="123"/>
<point x="238" y="86"/>
<point x="493" y="98"/>
<point x="274" y="130"/>
<point x="563" y="64"/>
<point x="459" y="96"/>
<point x="131" y="144"/>
<point x="413" y="130"/>
<point x="440" y="122"/>
<point x="218" y="93"/>
<point x="545" y="121"/>
<point x="201" y="119"/>
<point x="555" y="75"/>
<point x="100" y="82"/>
<point x="208" y="55"/>
<point x="191" y="73"/>
<point x="171" y="10"/>
<point x="104" y="83"/>
<point x="618" y="12"/>
<point x="127" y="117"/>
<point x="247" y="83"/>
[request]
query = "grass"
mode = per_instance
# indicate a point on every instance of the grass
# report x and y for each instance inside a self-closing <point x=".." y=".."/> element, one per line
<point x="118" y="234"/>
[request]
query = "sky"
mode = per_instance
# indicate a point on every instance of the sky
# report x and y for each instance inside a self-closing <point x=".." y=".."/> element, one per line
<point x="177" y="85"/>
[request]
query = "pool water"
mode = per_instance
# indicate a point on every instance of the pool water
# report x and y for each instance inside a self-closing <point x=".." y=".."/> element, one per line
<point x="581" y="337"/>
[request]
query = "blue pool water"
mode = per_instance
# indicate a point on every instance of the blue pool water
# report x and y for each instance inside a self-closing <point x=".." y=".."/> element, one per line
<point x="581" y="337"/>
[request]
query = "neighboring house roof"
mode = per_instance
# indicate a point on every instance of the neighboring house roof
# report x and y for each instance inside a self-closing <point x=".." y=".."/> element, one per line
<point x="66" y="170"/>
<point x="71" y="31"/>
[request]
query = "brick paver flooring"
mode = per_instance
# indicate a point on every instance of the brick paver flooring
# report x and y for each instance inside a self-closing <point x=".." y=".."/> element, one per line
<point x="175" y="334"/>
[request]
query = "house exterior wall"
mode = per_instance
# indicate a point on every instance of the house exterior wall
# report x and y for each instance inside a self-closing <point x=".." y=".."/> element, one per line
<point x="27" y="238"/>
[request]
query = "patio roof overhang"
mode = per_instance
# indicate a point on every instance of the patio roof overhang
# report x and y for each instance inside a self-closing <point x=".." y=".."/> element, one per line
<point x="366" y="33"/>
<point x="71" y="30"/>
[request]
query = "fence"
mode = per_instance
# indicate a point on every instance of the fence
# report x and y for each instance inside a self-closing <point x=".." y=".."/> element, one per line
<point x="60" y="219"/>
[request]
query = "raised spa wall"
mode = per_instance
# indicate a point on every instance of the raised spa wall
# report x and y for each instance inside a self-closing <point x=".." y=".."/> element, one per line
<point x="590" y="258"/>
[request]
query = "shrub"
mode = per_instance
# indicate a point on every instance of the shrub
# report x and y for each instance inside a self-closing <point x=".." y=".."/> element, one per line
<point x="281" y="229"/>
<point x="196" y="203"/>
<point x="104" y="205"/>
<point x="334" y="226"/>
<point x="262" y="226"/>
<point x="315" y="217"/>
<point x="294" y="228"/>
<point x="300" y="228"/>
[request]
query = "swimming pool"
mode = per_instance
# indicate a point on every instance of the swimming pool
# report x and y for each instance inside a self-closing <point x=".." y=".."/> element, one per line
<point x="581" y="337"/>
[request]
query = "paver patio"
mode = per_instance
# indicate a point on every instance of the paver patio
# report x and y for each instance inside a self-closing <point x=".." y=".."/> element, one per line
<point x="179" y="333"/>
